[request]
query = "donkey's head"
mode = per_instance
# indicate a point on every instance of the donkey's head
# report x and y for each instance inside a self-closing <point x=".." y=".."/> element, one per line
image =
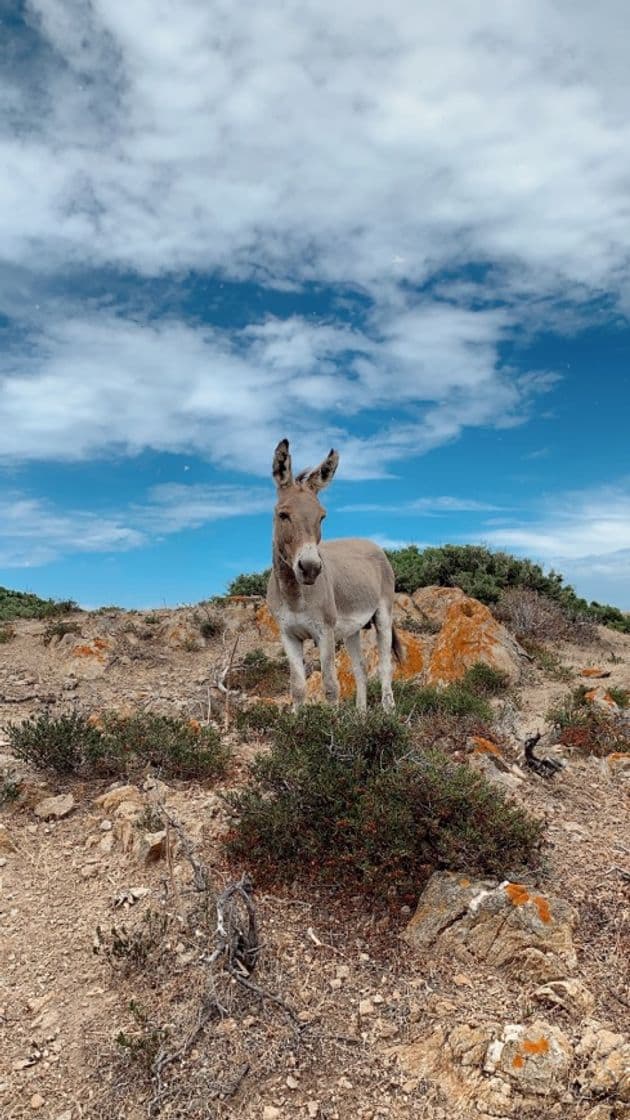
<point x="298" y="516"/>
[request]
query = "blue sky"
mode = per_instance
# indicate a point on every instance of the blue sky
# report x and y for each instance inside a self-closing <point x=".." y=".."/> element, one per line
<point x="405" y="234"/>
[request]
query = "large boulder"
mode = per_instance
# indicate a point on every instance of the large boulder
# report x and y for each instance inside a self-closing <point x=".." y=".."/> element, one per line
<point x="468" y="633"/>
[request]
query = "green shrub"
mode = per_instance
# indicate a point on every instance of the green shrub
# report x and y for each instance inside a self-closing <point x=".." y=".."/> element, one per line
<point x="59" y="629"/>
<point x="342" y="794"/>
<point x="485" y="680"/>
<point x="10" y="788"/>
<point x="259" y="673"/>
<point x="174" y="747"/>
<point x="259" y="718"/>
<point x="414" y="700"/>
<point x="7" y="633"/>
<point x="589" y="729"/>
<point x="120" y="745"/>
<point x="547" y="660"/>
<point x="479" y="572"/>
<point x="23" y="604"/>
<point x="53" y="743"/>
<point x="621" y="696"/>
<point x="251" y="583"/>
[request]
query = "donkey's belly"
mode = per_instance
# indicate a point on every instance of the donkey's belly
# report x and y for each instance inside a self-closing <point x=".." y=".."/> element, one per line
<point x="351" y="623"/>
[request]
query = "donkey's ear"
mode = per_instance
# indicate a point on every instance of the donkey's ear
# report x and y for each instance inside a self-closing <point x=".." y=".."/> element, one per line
<point x="319" y="477"/>
<point x="282" y="465"/>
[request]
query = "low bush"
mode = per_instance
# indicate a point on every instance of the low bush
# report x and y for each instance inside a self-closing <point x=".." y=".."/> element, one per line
<point x="58" y="743"/>
<point x="414" y="700"/>
<point x="589" y="729"/>
<point x="530" y="615"/>
<point x="259" y="673"/>
<point x="621" y="696"/>
<point x="7" y="633"/>
<point x="258" y="719"/>
<point x="250" y="583"/>
<point x="58" y="629"/>
<point x="23" y="604"/>
<point x="340" y="793"/>
<point x="120" y="745"/>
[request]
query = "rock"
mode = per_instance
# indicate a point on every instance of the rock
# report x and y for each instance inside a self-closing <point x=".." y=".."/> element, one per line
<point x="106" y="825"/>
<point x="124" y="834"/>
<point x="601" y="698"/>
<point x="594" y="672"/>
<point x="54" y="808"/>
<point x="271" y="1113"/>
<point x="6" y="842"/>
<point x="115" y="797"/>
<point x="606" y="1056"/>
<point x="37" y="1101"/>
<point x="469" y="632"/>
<point x="618" y="764"/>
<point x="536" y="1057"/>
<point x="509" y="927"/>
<point x="153" y="846"/>
<point x="571" y="995"/>
<point x="129" y="811"/>
<point x="366" y="1008"/>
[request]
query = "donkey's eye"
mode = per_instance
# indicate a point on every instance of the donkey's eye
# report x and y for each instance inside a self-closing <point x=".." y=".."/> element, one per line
<point x="284" y="516"/>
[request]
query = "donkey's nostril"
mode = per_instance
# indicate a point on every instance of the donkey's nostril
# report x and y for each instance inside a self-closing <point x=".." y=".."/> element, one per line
<point x="310" y="569"/>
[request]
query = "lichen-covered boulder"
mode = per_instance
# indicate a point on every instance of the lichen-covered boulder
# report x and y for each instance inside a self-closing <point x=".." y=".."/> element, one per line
<point x="507" y="925"/>
<point x="535" y="1057"/>
<point x="468" y="633"/>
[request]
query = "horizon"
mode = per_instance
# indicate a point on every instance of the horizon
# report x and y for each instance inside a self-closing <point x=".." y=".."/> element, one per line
<point x="402" y="236"/>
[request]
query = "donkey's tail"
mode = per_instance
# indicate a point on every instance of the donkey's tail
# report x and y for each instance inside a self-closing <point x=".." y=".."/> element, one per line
<point x="398" y="648"/>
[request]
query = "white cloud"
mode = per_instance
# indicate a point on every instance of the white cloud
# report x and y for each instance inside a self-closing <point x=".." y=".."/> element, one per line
<point x="104" y="383"/>
<point x="585" y="535"/>
<point x="425" y="506"/>
<point x="36" y="532"/>
<point x="309" y="142"/>
<point x="327" y="142"/>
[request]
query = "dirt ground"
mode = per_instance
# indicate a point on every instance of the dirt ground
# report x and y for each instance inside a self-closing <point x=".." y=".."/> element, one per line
<point x="338" y="988"/>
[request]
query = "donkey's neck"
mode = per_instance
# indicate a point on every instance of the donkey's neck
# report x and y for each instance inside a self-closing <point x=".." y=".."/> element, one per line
<point x="285" y="578"/>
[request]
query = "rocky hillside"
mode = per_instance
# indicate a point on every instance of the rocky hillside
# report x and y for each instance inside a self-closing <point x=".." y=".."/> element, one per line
<point x="130" y="986"/>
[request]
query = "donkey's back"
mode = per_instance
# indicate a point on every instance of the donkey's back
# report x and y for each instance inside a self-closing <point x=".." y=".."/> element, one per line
<point x="360" y="574"/>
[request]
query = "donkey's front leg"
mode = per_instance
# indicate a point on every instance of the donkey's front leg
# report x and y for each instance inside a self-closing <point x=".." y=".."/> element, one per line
<point x="294" y="649"/>
<point x="326" y="644"/>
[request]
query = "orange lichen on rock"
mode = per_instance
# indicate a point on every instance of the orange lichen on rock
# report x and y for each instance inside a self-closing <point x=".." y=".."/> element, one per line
<point x="266" y="623"/>
<point x="517" y="894"/>
<point x="618" y="756"/>
<point x="591" y="695"/>
<point x="195" y="725"/>
<point x="539" y="1046"/>
<point x="542" y="906"/>
<point x="95" y="649"/>
<point x="518" y="1061"/>
<point x="470" y="633"/>
<point x="594" y="672"/>
<point x="485" y="746"/>
<point x="412" y="663"/>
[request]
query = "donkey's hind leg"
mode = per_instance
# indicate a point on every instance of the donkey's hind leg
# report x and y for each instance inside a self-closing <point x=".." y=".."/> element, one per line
<point x="383" y="624"/>
<point x="353" y="646"/>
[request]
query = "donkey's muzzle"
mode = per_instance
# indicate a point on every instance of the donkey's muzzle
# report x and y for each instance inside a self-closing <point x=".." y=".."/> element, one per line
<point x="309" y="569"/>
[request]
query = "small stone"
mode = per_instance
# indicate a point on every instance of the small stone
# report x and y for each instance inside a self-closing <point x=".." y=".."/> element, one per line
<point x="106" y="825"/>
<point x="270" y="1112"/>
<point x="343" y="972"/>
<point x="3" y="861"/>
<point x="366" y="1008"/>
<point x="312" y="1107"/>
<point x="335" y="984"/>
<point x="292" y="1082"/>
<point x="345" y="1083"/>
<point x="54" y="808"/>
<point x="89" y="871"/>
<point x="37" y="1101"/>
<point x="154" y="846"/>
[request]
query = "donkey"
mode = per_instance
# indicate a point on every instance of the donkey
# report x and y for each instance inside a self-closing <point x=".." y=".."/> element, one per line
<point x="326" y="590"/>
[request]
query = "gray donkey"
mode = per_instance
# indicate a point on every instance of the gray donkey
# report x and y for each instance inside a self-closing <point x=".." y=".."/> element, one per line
<point x="326" y="590"/>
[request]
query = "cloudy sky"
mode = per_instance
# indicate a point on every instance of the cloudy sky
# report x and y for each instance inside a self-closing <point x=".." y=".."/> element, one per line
<point x="401" y="230"/>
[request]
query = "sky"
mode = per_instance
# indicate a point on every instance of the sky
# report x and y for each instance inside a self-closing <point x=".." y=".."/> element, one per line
<point x="402" y="231"/>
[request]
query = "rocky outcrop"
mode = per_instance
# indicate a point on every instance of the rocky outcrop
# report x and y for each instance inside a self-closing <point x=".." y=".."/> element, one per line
<point x="506" y="925"/>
